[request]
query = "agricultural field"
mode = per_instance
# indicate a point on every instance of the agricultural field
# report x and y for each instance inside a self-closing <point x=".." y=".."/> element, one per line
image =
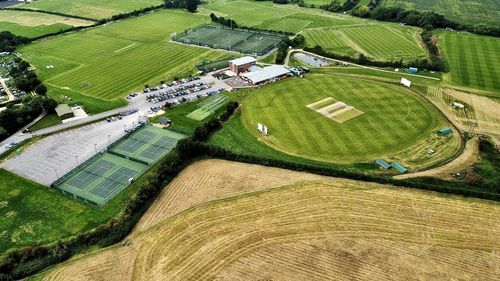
<point x="397" y="43"/>
<point x="103" y="64"/>
<point x="224" y="220"/>
<point x="95" y="9"/>
<point x="393" y="120"/>
<point x="29" y="24"/>
<point x="32" y="214"/>
<point x="474" y="12"/>
<point x="473" y="60"/>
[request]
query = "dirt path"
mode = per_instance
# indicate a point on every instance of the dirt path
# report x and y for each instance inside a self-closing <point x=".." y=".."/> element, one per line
<point x="468" y="157"/>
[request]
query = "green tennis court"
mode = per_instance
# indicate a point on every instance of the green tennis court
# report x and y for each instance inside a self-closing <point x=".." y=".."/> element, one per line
<point x="102" y="177"/>
<point x="147" y="144"/>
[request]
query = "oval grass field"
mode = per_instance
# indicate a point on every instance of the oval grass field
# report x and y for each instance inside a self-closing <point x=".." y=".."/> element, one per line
<point x="394" y="118"/>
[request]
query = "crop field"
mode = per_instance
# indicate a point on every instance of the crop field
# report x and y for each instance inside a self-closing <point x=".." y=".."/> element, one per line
<point x="246" y="42"/>
<point x="108" y="62"/>
<point x="478" y="11"/>
<point x="32" y="214"/>
<point x="474" y="60"/>
<point x="242" y="220"/>
<point x="90" y="8"/>
<point x="394" y="119"/>
<point x="31" y="25"/>
<point x="380" y="41"/>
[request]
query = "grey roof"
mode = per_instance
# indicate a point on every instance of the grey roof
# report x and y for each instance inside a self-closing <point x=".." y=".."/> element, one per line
<point x="243" y="60"/>
<point x="63" y="109"/>
<point x="266" y="73"/>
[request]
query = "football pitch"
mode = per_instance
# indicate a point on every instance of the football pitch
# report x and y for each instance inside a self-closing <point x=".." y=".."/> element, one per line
<point x="379" y="41"/>
<point x="106" y="63"/>
<point x="239" y="40"/>
<point x="102" y="177"/>
<point x="474" y="60"/>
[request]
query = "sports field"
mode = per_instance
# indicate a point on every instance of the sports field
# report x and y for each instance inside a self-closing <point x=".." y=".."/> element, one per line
<point x="99" y="180"/>
<point x="31" y="25"/>
<point x="208" y="107"/>
<point x="378" y="41"/>
<point x="148" y="144"/>
<point x="108" y="62"/>
<point x="266" y="15"/>
<point x="96" y="9"/>
<point x="394" y="119"/>
<point x="478" y="11"/>
<point x="246" y="42"/>
<point x="474" y="60"/>
<point x="222" y="220"/>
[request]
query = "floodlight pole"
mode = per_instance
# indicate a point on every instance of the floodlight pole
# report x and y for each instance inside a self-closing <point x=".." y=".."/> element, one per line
<point x="76" y="158"/>
<point x="55" y="170"/>
<point x="95" y="148"/>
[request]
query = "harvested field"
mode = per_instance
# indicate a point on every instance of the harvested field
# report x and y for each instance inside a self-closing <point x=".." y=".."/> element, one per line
<point x="482" y="112"/>
<point x="305" y="228"/>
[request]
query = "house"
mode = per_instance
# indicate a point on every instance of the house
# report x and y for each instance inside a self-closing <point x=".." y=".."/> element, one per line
<point x="242" y="64"/>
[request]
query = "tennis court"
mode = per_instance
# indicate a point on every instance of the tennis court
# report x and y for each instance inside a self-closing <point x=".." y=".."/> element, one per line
<point x="99" y="180"/>
<point x="102" y="177"/>
<point x="236" y="39"/>
<point x="147" y="144"/>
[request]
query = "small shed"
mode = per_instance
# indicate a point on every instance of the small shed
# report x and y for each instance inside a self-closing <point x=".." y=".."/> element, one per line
<point x="64" y="111"/>
<point x="412" y="69"/>
<point x="383" y="164"/>
<point x="399" y="167"/>
<point x="164" y="121"/>
<point x="445" y="131"/>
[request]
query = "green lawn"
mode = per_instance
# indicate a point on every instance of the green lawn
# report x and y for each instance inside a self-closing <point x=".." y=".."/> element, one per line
<point x="393" y="120"/>
<point x="47" y="121"/>
<point x="266" y="15"/>
<point x="32" y="214"/>
<point x="477" y="11"/>
<point x="97" y="9"/>
<point x="31" y="25"/>
<point x="378" y="41"/>
<point x="474" y="60"/>
<point x="106" y="63"/>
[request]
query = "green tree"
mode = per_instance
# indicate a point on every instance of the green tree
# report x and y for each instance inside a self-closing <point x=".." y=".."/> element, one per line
<point x="192" y="5"/>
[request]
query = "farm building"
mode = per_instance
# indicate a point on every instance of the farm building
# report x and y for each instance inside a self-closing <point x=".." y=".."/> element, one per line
<point x="266" y="74"/>
<point x="445" y="131"/>
<point x="242" y="64"/>
<point x="64" y="111"/>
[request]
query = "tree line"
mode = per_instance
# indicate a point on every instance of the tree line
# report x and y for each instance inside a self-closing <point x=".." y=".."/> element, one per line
<point x="16" y="116"/>
<point x="283" y="47"/>
<point x="9" y="41"/>
<point x="223" y="21"/>
<point x="25" y="79"/>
